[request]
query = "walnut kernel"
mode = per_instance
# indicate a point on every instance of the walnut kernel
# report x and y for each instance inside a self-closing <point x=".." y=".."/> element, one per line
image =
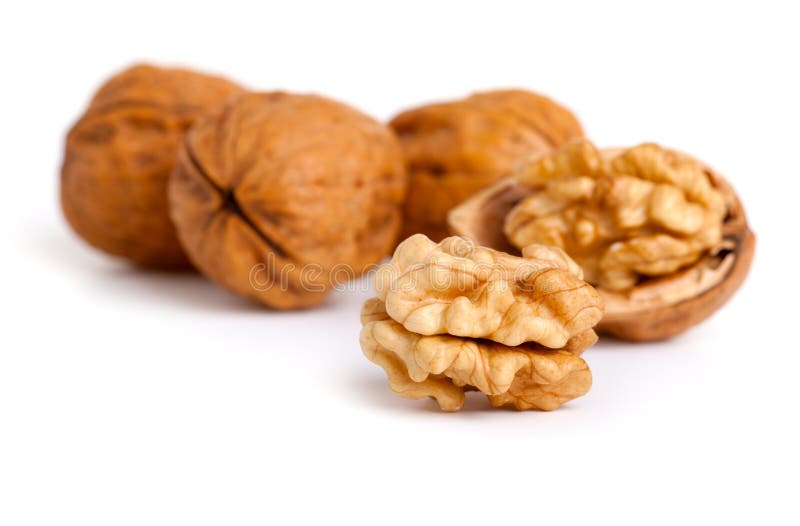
<point x="454" y="287"/>
<point x="662" y="235"/>
<point x="451" y="317"/>
<point x="645" y="212"/>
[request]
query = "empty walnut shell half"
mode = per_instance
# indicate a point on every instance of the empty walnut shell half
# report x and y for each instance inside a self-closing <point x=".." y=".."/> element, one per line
<point x="279" y="196"/>
<point x="454" y="149"/>
<point x="119" y="156"/>
<point x="662" y="236"/>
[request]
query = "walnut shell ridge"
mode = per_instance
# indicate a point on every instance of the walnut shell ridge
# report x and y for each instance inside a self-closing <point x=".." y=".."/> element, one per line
<point x="276" y="195"/>
<point x="454" y="149"/>
<point x="119" y="156"/>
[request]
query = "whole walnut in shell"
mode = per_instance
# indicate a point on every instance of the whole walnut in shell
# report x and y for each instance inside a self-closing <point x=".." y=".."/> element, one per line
<point x="662" y="236"/>
<point x="454" y="149"/>
<point x="452" y="317"/>
<point x="276" y="196"/>
<point x="119" y="156"/>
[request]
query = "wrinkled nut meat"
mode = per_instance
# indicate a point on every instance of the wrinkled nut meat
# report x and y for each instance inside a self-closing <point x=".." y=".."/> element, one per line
<point x="451" y="317"/>
<point x="662" y="236"/>
<point x="455" y="148"/>
<point x="119" y="156"/>
<point x="443" y="367"/>
<point x="456" y="288"/>
<point x="275" y="196"/>
<point x="646" y="212"/>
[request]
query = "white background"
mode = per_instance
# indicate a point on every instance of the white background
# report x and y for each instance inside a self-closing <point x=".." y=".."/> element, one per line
<point x="141" y="398"/>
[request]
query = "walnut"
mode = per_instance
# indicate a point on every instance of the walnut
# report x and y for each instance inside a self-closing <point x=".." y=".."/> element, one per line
<point x="644" y="212"/>
<point x="273" y="191"/>
<point x="455" y="148"/>
<point x="451" y="317"/>
<point x="662" y="236"/>
<point x="442" y="367"/>
<point x="456" y="288"/>
<point x="119" y="156"/>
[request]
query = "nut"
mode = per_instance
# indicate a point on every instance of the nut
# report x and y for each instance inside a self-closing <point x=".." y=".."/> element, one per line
<point x="451" y="317"/>
<point x="662" y="236"/>
<point x="443" y="367"/>
<point x="456" y="288"/>
<point x="119" y="156"/>
<point x="645" y="212"/>
<point x="273" y="192"/>
<point x="455" y="148"/>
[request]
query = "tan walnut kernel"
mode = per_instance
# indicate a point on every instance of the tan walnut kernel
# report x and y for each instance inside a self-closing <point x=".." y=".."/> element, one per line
<point x="642" y="212"/>
<point x="444" y="366"/>
<point x="454" y="287"/>
<point x="677" y="198"/>
<point x="451" y="317"/>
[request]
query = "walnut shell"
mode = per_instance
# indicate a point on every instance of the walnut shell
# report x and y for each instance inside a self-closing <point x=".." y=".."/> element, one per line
<point x="119" y="156"/>
<point x="657" y="307"/>
<point x="454" y="149"/>
<point x="275" y="195"/>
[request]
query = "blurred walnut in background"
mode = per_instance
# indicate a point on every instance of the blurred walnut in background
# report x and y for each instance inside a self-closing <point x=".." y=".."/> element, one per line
<point x="120" y="154"/>
<point x="274" y="191"/>
<point x="453" y="149"/>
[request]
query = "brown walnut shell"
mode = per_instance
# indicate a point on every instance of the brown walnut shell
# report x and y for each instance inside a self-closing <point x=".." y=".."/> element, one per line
<point x="656" y="308"/>
<point x="276" y="196"/>
<point x="119" y="156"/>
<point x="454" y="149"/>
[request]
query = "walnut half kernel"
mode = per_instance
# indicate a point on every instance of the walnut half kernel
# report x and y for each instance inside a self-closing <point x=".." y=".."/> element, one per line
<point x="451" y="317"/>
<point x="662" y="236"/>
<point x="642" y="213"/>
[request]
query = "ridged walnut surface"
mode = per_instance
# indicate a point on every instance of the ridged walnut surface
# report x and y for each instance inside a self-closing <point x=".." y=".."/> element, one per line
<point x="454" y="287"/>
<point x="644" y="212"/>
<point x="444" y="367"/>
<point x="658" y="306"/>
<point x="119" y="156"/>
<point x="451" y="317"/>
<point x="453" y="149"/>
<point x="275" y="191"/>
